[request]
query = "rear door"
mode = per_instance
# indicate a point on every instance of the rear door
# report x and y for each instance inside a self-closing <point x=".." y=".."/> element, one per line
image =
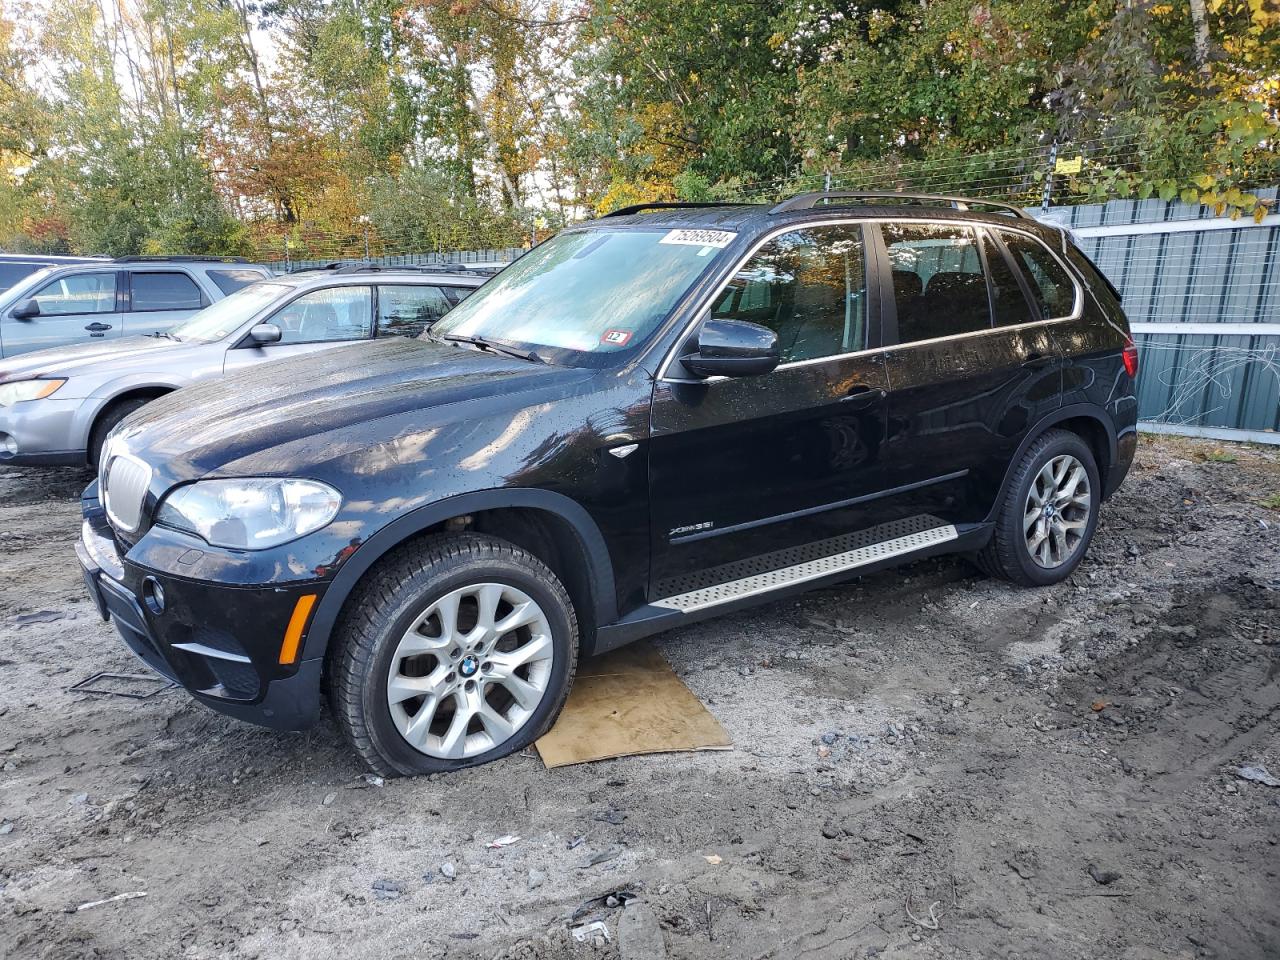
<point x="159" y="299"/>
<point x="971" y="367"/>
<point x="313" y="321"/>
<point x="74" y="308"/>
<point x="743" y="467"/>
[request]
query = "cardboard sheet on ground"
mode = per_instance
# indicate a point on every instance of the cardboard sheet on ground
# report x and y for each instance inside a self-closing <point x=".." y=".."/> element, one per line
<point x="626" y="703"/>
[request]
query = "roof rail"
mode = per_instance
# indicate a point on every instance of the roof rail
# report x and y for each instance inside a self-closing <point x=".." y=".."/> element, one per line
<point x="673" y="205"/>
<point x="806" y="201"/>
<point x="359" y="266"/>
<point x="182" y="258"/>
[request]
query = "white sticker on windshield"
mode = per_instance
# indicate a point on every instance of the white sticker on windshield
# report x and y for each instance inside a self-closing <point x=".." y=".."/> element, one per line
<point x="700" y="238"/>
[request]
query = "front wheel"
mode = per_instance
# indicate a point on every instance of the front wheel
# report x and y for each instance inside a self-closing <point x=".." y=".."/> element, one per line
<point x="456" y="650"/>
<point x="1048" y="514"/>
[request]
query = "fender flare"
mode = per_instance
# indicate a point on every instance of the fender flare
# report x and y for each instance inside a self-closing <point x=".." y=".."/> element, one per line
<point x="1072" y="411"/>
<point x="596" y="553"/>
<point x="92" y="406"/>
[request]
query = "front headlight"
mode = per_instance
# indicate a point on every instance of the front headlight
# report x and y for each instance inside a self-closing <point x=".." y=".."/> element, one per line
<point x="250" y="514"/>
<point x="20" y="390"/>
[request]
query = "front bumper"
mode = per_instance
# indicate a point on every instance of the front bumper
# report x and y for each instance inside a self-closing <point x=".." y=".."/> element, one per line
<point x="221" y="643"/>
<point x="45" y="432"/>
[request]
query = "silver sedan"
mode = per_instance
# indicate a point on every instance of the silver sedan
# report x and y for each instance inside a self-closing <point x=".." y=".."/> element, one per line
<point x="57" y="406"/>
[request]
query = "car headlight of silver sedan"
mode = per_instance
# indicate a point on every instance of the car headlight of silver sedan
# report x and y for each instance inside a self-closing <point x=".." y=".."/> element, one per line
<point x="19" y="391"/>
<point x="251" y="513"/>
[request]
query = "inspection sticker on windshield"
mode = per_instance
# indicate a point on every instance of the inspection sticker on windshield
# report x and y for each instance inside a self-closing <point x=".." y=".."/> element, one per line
<point x="616" y="338"/>
<point x="717" y="239"/>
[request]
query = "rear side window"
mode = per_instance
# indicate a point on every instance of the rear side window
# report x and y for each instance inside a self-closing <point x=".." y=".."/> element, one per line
<point x="938" y="285"/>
<point x="1050" y="283"/>
<point x="165" y="291"/>
<point x="229" y="281"/>
<point x="407" y="310"/>
<point x="808" y="286"/>
<point x="1009" y="306"/>
<point x="78" y="293"/>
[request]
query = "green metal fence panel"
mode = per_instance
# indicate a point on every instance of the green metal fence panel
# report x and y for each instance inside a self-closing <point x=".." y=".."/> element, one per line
<point x="1202" y="293"/>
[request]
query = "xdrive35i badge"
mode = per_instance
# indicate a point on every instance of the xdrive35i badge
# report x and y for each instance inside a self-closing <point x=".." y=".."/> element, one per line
<point x="690" y="528"/>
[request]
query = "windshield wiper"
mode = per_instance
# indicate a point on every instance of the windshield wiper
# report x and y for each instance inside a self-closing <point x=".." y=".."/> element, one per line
<point x="482" y="344"/>
<point x="166" y="334"/>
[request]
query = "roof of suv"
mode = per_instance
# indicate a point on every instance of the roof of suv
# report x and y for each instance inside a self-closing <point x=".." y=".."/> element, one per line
<point x="325" y="276"/>
<point x="808" y="207"/>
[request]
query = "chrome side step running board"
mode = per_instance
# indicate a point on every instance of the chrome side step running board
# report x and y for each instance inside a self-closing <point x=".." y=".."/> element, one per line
<point x="867" y="547"/>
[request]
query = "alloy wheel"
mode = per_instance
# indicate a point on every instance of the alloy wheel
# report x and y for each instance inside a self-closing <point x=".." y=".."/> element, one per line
<point x="470" y="671"/>
<point x="1057" y="511"/>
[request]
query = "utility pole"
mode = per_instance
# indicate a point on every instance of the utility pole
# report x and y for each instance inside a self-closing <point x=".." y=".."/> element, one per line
<point x="1048" y="177"/>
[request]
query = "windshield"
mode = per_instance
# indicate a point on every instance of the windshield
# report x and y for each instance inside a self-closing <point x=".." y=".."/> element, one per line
<point x="585" y="297"/>
<point x="226" y="316"/>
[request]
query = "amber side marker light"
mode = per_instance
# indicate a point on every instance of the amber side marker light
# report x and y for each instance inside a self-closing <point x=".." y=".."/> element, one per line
<point x="293" y="634"/>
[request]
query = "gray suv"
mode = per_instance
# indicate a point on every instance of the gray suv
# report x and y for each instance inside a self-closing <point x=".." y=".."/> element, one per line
<point x="111" y="299"/>
<point x="57" y="406"/>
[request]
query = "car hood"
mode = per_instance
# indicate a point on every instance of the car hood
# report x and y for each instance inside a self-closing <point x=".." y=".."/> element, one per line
<point x="322" y="405"/>
<point x="68" y="361"/>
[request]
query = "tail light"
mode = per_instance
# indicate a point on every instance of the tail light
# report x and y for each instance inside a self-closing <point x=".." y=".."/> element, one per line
<point x="1130" y="357"/>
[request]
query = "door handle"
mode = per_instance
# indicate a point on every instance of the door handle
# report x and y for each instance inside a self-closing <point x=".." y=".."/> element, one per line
<point x="863" y="396"/>
<point x="96" y="327"/>
<point x="1037" y="361"/>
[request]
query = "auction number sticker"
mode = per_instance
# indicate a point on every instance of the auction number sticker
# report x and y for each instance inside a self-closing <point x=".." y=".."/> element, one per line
<point x="718" y="239"/>
<point x="616" y="338"/>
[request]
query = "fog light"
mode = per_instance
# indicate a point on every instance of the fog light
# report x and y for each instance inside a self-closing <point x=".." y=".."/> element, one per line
<point x="8" y="446"/>
<point x="153" y="595"/>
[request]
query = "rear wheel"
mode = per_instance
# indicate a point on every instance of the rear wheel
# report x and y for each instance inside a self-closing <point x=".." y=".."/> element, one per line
<point x="1048" y="514"/>
<point x="457" y="650"/>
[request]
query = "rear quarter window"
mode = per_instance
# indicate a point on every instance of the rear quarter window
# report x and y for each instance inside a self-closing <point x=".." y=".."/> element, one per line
<point x="1050" y="283"/>
<point x="229" y="281"/>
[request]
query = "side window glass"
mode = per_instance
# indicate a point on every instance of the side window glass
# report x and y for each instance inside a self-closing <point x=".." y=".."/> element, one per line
<point x="1050" y="282"/>
<point x="11" y="273"/>
<point x="229" y="281"/>
<point x="1008" y="305"/>
<point x="938" y="285"/>
<point x="169" y="290"/>
<point x="809" y="286"/>
<point x="78" y="293"/>
<point x="406" y="311"/>
<point x="338" y="313"/>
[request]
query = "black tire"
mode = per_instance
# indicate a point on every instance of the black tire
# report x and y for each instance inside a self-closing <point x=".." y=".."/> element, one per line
<point x="107" y="422"/>
<point x="1007" y="555"/>
<point x="385" y="606"/>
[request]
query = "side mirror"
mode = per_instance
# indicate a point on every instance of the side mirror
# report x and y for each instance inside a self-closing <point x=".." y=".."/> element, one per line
<point x="265" y="333"/>
<point x="733" y="348"/>
<point x="26" y="309"/>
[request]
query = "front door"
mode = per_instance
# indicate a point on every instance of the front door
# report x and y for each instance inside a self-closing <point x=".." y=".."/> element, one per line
<point x="971" y="368"/>
<point x="74" y="308"/>
<point x="314" y="321"/>
<point x="741" y="468"/>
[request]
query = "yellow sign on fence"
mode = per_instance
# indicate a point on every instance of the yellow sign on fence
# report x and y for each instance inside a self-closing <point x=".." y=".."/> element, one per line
<point x="1073" y="165"/>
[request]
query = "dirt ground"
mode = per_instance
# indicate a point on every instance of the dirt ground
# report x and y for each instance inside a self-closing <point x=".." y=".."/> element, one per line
<point x="1026" y="773"/>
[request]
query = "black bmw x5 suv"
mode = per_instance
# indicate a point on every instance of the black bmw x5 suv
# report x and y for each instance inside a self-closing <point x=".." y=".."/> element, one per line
<point x="665" y="414"/>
